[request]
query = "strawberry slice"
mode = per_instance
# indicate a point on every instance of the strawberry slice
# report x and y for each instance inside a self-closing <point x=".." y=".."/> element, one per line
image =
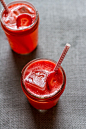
<point x="55" y="79"/>
<point x="23" y="20"/>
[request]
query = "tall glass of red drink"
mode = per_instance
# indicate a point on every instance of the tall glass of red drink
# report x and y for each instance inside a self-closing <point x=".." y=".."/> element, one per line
<point x="34" y="84"/>
<point x="22" y="40"/>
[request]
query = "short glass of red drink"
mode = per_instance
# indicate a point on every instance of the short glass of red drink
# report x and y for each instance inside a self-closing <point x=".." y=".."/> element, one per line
<point x="22" y="40"/>
<point x="34" y="83"/>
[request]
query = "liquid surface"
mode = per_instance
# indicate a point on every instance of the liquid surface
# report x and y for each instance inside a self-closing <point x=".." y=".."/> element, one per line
<point x="14" y="11"/>
<point x="35" y="77"/>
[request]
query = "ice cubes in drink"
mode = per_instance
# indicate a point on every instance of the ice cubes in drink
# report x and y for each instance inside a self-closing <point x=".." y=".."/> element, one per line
<point x="37" y="78"/>
<point x="22" y="9"/>
<point x="25" y="9"/>
<point x="16" y="12"/>
<point x="11" y="18"/>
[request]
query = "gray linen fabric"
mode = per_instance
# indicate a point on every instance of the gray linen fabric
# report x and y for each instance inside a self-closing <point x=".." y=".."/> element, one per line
<point x="61" y="22"/>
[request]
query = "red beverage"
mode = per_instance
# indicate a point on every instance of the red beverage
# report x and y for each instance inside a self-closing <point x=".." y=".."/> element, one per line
<point x="22" y="39"/>
<point x="34" y="84"/>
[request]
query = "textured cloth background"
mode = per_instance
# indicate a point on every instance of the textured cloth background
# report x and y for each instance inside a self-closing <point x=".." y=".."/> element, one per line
<point x="61" y="22"/>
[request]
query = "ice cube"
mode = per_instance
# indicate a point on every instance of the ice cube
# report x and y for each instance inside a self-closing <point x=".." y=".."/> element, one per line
<point x="25" y="9"/>
<point x="11" y="19"/>
<point x="16" y="12"/>
<point x="37" y="77"/>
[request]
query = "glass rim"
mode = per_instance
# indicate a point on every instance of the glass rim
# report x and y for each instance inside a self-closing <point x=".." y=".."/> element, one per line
<point x="25" y="28"/>
<point x="42" y="97"/>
